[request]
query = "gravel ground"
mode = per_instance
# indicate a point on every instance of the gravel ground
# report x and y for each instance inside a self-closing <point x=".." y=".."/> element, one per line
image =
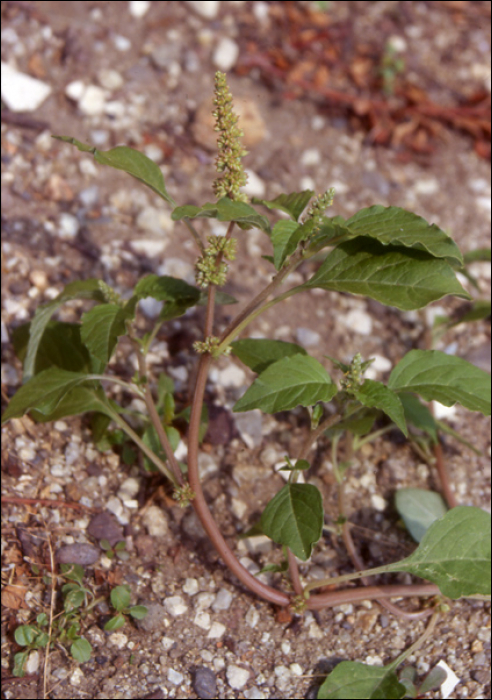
<point x="139" y="73"/>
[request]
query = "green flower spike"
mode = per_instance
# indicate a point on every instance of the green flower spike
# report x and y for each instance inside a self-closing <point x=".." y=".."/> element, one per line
<point x="319" y="206"/>
<point x="210" y="267"/>
<point x="229" y="144"/>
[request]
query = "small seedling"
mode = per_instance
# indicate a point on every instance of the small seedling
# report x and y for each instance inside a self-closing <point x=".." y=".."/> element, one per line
<point x="384" y="253"/>
<point x="118" y="551"/>
<point x="78" y="602"/>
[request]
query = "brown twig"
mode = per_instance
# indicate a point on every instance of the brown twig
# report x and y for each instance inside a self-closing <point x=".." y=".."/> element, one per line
<point x="45" y="502"/>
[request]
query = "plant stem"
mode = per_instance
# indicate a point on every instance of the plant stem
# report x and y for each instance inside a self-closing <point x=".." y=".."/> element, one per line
<point x="146" y="450"/>
<point x="154" y="416"/>
<point x="352" y="595"/>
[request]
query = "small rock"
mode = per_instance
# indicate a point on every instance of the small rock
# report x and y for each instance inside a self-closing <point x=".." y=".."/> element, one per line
<point x="427" y="186"/>
<point x="69" y="226"/>
<point x="75" y="90"/>
<point x="121" y="43"/>
<point x="249" y="425"/>
<point x="154" y="519"/>
<point x="151" y="247"/>
<point x="225" y="54"/>
<point x="118" y="639"/>
<point x="222" y="601"/>
<point x="150" y="307"/>
<point x="237" y="677"/>
<point x="254" y="187"/>
<point x="205" y="683"/>
<point x="32" y="663"/>
<point x="20" y="92"/>
<point x="310" y="157"/>
<point x="378" y="502"/>
<point x="217" y="630"/>
<point x="358" y="321"/>
<point x="307" y="337"/>
<point x="139" y="8"/>
<point x="79" y="553"/>
<point x="175" y="677"/>
<point x="205" y="8"/>
<point x="104" y="526"/>
<point x="175" y="605"/>
<point x="110" y="79"/>
<point x="155" y="619"/>
<point x="92" y="101"/>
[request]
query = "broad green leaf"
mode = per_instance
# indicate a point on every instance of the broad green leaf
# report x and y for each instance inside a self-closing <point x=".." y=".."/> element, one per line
<point x="44" y="392"/>
<point x="376" y="395"/>
<point x="151" y="439"/>
<point x="87" y="289"/>
<point x="454" y="553"/>
<point x="294" y="517"/>
<point x="131" y="161"/>
<point x="395" y="226"/>
<point x="80" y="399"/>
<point x="225" y="209"/>
<point x="138" y="612"/>
<point x="286" y="236"/>
<point x="166" y="288"/>
<point x="333" y="229"/>
<point x="115" y="623"/>
<point x="419" y="415"/>
<point x="120" y="597"/>
<point x="281" y="234"/>
<point x="360" y="423"/>
<point x="81" y="650"/>
<point x="354" y="680"/>
<point x="258" y="353"/>
<point x="25" y="635"/>
<point x="437" y="376"/>
<point x="60" y="346"/>
<point x="401" y="277"/>
<point x="433" y="680"/>
<point x="292" y="204"/>
<point x="101" y="327"/>
<point x="287" y="383"/>
<point x="419" y="509"/>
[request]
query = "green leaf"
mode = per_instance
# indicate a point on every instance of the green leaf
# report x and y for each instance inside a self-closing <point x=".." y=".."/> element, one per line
<point x="401" y="277"/>
<point x="395" y="226"/>
<point x="25" y="635"/>
<point x="286" y="236"/>
<point x="294" y="517"/>
<point x="87" y="289"/>
<point x="60" y="346"/>
<point x="419" y="415"/>
<point x="259" y="353"/>
<point x="433" y="680"/>
<point x="120" y="597"/>
<point x="44" y="392"/>
<point x="166" y="288"/>
<point x="81" y="650"/>
<point x="376" y="395"/>
<point x="225" y="209"/>
<point x="19" y="660"/>
<point x="102" y="325"/>
<point x="353" y="680"/>
<point x="292" y="204"/>
<point x="115" y="623"/>
<point x="79" y="400"/>
<point x="359" y="423"/>
<point x="131" y="161"/>
<point x="454" y="553"/>
<point x="437" y="376"/>
<point x="419" y="509"/>
<point x="151" y="439"/>
<point x="287" y="383"/>
<point x="333" y="229"/>
<point x="138" y="612"/>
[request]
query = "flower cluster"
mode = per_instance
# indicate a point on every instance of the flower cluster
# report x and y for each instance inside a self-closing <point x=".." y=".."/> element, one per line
<point x="355" y="376"/>
<point x="229" y="144"/>
<point x="210" y="267"/>
<point x="183" y="495"/>
<point x="110" y="296"/>
<point x="319" y="206"/>
<point x="211" y="345"/>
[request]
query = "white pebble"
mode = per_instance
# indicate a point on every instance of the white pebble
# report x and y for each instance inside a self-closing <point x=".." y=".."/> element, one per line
<point x="427" y="186"/>
<point x="237" y="677"/>
<point x="175" y="605"/>
<point x="217" y="630"/>
<point x="175" y="677"/>
<point x="222" y="601"/>
<point x="205" y="8"/>
<point x="92" y="101"/>
<point x="378" y="502"/>
<point x="254" y="187"/>
<point x="307" y="337"/>
<point x="358" y="321"/>
<point x="69" y="226"/>
<point x="310" y="157"/>
<point x="21" y="92"/>
<point x="139" y="8"/>
<point x="121" y="43"/>
<point x="75" y="90"/>
<point x="226" y="54"/>
<point x="155" y="521"/>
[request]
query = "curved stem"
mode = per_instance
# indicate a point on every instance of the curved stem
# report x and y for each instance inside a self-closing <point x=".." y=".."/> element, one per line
<point x="352" y="595"/>
<point x="200" y="505"/>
